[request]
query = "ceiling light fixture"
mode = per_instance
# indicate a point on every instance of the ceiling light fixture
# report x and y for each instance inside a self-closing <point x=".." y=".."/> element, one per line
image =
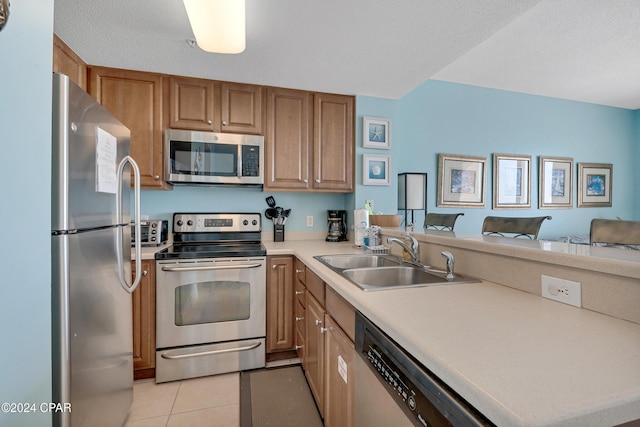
<point x="218" y="25"/>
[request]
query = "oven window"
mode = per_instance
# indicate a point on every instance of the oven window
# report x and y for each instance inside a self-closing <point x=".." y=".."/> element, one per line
<point x="212" y="302"/>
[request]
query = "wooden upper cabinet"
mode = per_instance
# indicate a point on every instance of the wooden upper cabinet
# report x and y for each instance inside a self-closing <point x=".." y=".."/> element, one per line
<point x="241" y="108"/>
<point x="191" y="104"/>
<point x="135" y="98"/>
<point x="65" y="61"/>
<point x="288" y="139"/>
<point x="310" y="141"/>
<point x="333" y="142"/>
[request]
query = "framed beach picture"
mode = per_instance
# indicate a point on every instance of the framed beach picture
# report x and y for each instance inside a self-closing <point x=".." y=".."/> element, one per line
<point x="461" y="181"/>
<point x="375" y="169"/>
<point x="511" y="181"/>
<point x="595" y="182"/>
<point x="555" y="182"/>
<point x="376" y="133"/>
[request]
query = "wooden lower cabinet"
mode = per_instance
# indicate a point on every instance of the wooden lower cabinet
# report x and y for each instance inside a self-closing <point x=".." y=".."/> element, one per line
<point x="280" y="304"/>
<point x="144" y="322"/>
<point x="339" y="377"/>
<point x="314" y="350"/>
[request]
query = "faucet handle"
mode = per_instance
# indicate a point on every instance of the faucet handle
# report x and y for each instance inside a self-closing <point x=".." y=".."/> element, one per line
<point x="450" y="260"/>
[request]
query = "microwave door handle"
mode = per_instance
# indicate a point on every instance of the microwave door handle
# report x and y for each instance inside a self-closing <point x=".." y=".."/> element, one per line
<point x="239" y="160"/>
<point x="137" y="231"/>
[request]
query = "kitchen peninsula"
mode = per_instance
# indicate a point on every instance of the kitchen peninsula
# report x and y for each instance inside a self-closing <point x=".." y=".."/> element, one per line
<point x="520" y="359"/>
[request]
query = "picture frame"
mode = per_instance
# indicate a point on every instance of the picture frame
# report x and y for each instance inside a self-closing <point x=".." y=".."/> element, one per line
<point x="555" y="182"/>
<point x="376" y="170"/>
<point x="461" y="181"/>
<point x="376" y="133"/>
<point x="595" y="183"/>
<point x="511" y="181"/>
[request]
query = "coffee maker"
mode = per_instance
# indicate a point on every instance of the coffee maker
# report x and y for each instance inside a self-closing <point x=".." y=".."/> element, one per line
<point x="337" y="226"/>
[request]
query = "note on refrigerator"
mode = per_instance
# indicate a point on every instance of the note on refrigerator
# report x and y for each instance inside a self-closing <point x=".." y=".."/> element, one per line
<point x="106" y="155"/>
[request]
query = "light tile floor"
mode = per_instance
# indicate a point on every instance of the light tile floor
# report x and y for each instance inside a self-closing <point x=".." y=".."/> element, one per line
<point x="209" y="401"/>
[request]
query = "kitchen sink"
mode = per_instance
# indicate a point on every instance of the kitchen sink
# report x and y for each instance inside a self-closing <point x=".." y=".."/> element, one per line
<point x="341" y="262"/>
<point x="373" y="272"/>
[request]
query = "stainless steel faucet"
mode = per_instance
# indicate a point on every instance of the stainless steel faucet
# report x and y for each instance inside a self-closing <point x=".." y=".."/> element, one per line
<point x="450" y="260"/>
<point x="414" y="250"/>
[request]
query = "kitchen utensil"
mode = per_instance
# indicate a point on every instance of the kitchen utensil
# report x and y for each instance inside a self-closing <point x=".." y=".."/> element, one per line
<point x="279" y="211"/>
<point x="269" y="213"/>
<point x="271" y="201"/>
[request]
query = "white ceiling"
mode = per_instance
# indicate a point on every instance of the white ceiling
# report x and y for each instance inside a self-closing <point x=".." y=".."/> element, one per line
<point x="584" y="50"/>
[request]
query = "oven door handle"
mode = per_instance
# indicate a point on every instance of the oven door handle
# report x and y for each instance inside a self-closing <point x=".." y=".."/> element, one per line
<point x="210" y="353"/>
<point x="212" y="267"/>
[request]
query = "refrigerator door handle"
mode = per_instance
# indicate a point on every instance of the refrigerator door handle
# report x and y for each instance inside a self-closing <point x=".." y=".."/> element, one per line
<point x="119" y="242"/>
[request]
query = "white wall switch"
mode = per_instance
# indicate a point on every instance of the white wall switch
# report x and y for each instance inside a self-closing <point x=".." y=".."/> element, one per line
<point x="562" y="290"/>
<point x="309" y="220"/>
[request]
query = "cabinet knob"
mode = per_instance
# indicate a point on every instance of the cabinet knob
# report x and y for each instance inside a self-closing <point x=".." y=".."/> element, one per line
<point x="318" y="181"/>
<point x="323" y="330"/>
<point x="209" y="122"/>
<point x="299" y="271"/>
<point x="224" y="123"/>
<point x="299" y="319"/>
<point x="156" y="177"/>
<point x="274" y="266"/>
<point x="145" y="272"/>
<point x="305" y="181"/>
<point x="298" y="347"/>
<point x="318" y="322"/>
<point x="299" y="292"/>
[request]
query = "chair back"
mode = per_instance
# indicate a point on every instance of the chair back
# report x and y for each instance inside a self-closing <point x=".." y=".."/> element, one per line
<point x="444" y="222"/>
<point x="513" y="226"/>
<point x="615" y="232"/>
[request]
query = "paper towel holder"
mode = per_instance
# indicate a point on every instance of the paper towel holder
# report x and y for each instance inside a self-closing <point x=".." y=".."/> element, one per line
<point x="412" y="194"/>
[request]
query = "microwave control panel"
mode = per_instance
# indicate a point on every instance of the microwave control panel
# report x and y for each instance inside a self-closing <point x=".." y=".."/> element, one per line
<point x="250" y="160"/>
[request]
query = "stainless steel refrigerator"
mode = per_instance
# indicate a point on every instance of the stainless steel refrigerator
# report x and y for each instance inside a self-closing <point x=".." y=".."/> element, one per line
<point x="91" y="282"/>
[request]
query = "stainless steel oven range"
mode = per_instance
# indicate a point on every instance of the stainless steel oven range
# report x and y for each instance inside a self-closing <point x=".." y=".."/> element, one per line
<point x="211" y="296"/>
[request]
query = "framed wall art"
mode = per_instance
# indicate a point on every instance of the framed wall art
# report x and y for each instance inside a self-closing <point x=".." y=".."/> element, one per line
<point x="376" y="133"/>
<point x="376" y="169"/>
<point x="511" y="181"/>
<point x="595" y="182"/>
<point x="555" y="182"/>
<point x="461" y="181"/>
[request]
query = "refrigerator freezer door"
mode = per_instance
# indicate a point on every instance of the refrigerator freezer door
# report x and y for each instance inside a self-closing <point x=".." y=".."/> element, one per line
<point x="92" y="333"/>
<point x="78" y="122"/>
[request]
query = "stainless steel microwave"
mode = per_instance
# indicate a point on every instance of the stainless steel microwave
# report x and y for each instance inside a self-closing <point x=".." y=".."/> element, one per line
<point x="213" y="158"/>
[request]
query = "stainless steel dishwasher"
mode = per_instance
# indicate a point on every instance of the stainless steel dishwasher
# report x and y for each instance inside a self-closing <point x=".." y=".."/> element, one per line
<point x="393" y="389"/>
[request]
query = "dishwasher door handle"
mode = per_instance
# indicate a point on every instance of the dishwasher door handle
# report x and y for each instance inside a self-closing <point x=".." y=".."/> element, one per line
<point x="211" y="267"/>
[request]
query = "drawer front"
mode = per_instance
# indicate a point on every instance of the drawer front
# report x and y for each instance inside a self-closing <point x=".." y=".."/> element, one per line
<point x="300" y="312"/>
<point x="342" y="312"/>
<point x="300" y="272"/>
<point x="315" y="286"/>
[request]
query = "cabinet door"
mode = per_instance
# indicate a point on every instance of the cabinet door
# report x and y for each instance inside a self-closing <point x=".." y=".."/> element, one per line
<point x="135" y="98"/>
<point x="65" y="61"/>
<point x="314" y="354"/>
<point x="280" y="304"/>
<point x="287" y="139"/>
<point x="191" y="104"/>
<point x="333" y="142"/>
<point x="339" y="377"/>
<point x="144" y="323"/>
<point x="241" y="108"/>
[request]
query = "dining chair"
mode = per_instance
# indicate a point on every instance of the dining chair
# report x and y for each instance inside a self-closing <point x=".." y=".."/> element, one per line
<point x="444" y="222"/>
<point x="615" y="232"/>
<point x="513" y="226"/>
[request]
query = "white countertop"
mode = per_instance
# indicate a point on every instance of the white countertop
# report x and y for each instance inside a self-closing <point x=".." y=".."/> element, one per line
<point x="520" y="359"/>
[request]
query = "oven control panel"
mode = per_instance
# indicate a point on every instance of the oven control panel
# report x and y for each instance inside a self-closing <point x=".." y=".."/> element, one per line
<point x="216" y="222"/>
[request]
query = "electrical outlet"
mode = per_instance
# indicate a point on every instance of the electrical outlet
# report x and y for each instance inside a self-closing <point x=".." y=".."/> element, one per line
<point x="562" y="290"/>
<point x="309" y="220"/>
<point x="370" y="204"/>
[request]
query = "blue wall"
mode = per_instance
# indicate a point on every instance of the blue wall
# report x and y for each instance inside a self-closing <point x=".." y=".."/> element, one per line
<point x="25" y="136"/>
<point x="440" y="117"/>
